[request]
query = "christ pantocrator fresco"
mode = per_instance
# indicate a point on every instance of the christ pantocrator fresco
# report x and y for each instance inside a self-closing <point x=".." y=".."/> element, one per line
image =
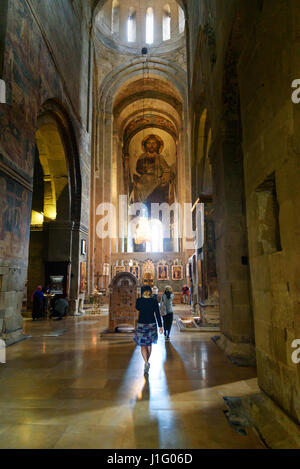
<point x="153" y="180"/>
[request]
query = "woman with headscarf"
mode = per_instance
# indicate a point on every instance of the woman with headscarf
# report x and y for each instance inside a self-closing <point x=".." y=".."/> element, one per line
<point x="38" y="309"/>
<point x="149" y="317"/>
<point x="167" y="302"/>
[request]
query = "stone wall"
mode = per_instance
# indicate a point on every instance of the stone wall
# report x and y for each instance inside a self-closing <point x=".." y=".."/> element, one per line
<point x="45" y="61"/>
<point x="268" y="65"/>
<point x="262" y="40"/>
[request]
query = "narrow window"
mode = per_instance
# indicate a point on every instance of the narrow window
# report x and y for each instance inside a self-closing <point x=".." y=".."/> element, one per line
<point x="181" y="20"/>
<point x="167" y="23"/>
<point x="115" y="18"/>
<point x="131" y="25"/>
<point x="149" y="26"/>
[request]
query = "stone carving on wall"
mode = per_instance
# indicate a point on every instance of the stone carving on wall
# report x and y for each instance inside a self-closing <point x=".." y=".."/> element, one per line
<point x="123" y="294"/>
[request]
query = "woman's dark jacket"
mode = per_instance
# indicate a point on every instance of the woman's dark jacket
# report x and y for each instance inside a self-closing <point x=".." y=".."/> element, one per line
<point x="148" y="309"/>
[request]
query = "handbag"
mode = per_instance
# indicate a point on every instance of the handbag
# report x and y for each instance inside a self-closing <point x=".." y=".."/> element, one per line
<point x="163" y="309"/>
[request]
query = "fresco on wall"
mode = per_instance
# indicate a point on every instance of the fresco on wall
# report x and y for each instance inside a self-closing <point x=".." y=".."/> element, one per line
<point x="153" y="170"/>
<point x="15" y="210"/>
<point x="31" y="79"/>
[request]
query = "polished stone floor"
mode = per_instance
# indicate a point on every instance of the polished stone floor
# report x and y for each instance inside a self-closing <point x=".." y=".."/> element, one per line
<point x="69" y="387"/>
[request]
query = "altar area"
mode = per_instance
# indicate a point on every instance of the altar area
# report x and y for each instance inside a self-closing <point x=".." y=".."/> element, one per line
<point x="154" y="269"/>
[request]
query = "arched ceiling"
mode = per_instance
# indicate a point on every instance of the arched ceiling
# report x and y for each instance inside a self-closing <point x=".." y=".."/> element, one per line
<point x="147" y="102"/>
<point x="148" y="106"/>
<point x="145" y="84"/>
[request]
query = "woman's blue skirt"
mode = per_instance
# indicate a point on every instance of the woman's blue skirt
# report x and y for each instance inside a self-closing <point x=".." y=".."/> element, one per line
<point x="146" y="334"/>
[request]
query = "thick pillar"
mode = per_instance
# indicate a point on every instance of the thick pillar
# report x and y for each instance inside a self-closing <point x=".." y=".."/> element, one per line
<point x="236" y="314"/>
<point x="209" y="294"/>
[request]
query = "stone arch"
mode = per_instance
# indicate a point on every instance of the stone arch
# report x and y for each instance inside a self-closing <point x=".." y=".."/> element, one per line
<point x="52" y="109"/>
<point x="56" y="206"/>
<point x="123" y="74"/>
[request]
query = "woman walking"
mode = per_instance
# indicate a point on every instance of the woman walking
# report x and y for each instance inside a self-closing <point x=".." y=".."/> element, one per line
<point x="146" y="332"/>
<point x="167" y="301"/>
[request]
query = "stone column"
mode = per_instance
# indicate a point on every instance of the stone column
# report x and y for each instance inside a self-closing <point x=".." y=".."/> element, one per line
<point x="115" y="176"/>
<point x="209" y="294"/>
<point x="103" y="190"/>
<point x="236" y="314"/>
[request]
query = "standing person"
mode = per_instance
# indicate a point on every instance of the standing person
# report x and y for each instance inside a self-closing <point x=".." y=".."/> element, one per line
<point x="38" y="303"/>
<point x="146" y="332"/>
<point x="155" y="292"/>
<point x="185" y="294"/>
<point x="167" y="300"/>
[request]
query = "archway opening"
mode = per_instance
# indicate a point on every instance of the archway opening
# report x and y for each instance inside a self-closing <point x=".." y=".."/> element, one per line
<point x="50" y="212"/>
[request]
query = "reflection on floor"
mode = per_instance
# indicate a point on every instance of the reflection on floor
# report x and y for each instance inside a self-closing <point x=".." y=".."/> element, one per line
<point x="77" y="390"/>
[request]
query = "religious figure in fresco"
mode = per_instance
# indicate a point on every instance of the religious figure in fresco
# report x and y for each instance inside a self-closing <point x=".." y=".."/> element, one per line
<point x="153" y="178"/>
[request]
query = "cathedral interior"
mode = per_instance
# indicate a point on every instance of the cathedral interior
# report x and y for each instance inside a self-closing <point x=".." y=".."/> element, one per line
<point x="150" y="142"/>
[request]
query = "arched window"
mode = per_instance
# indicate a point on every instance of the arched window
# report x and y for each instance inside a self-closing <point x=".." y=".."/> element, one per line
<point x="131" y="25"/>
<point x="115" y="17"/>
<point x="167" y="23"/>
<point x="181" y="20"/>
<point x="149" y="26"/>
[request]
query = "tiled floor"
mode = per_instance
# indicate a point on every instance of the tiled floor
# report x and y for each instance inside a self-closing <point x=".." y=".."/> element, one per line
<point x="81" y="390"/>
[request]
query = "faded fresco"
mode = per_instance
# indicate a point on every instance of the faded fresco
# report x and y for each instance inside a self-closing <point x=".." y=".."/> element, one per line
<point x="27" y="68"/>
<point x="15" y="206"/>
<point x="153" y="170"/>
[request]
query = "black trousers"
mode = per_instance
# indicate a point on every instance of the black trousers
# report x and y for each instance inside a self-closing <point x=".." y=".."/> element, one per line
<point x="168" y="321"/>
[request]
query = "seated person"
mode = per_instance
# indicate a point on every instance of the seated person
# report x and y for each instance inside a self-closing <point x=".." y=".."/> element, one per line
<point x="60" y="308"/>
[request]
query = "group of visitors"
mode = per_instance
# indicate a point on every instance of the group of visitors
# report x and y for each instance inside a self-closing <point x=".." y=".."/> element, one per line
<point x="59" y="306"/>
<point x="151" y="315"/>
